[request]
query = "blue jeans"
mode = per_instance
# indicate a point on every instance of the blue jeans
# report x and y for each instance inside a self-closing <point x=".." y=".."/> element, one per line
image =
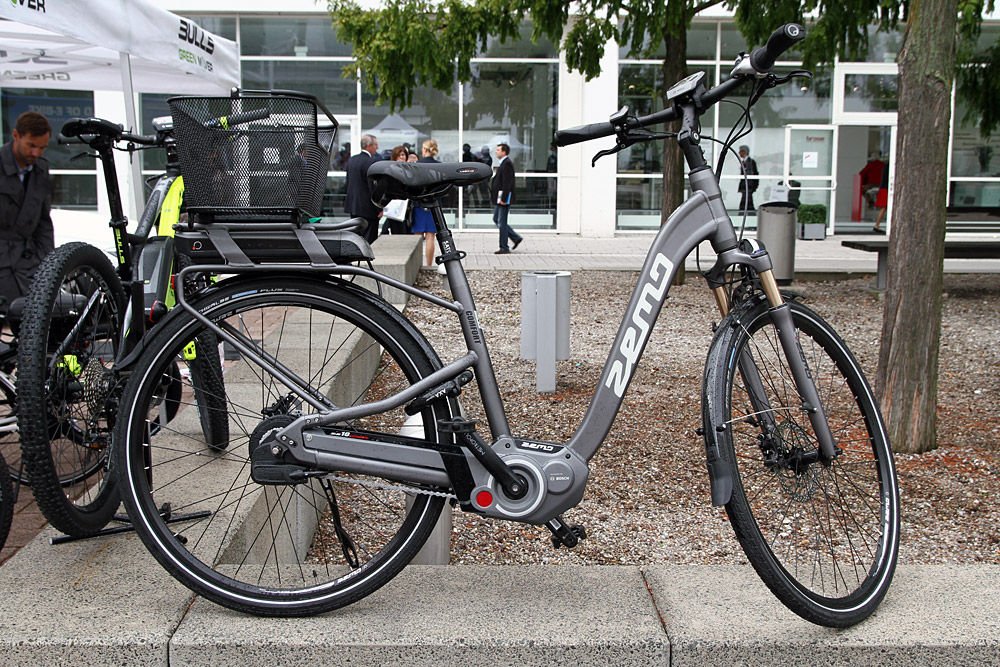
<point x="506" y="231"/>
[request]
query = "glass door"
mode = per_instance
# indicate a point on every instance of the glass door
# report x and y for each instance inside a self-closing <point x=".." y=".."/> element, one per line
<point x="810" y="167"/>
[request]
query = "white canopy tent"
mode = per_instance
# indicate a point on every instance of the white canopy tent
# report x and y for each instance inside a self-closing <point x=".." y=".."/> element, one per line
<point x="129" y="45"/>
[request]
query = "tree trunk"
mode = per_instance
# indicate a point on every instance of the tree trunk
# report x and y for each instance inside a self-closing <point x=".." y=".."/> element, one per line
<point x="674" y="69"/>
<point x="906" y="381"/>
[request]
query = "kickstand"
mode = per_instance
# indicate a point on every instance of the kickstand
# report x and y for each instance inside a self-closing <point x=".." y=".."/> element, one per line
<point x="165" y="512"/>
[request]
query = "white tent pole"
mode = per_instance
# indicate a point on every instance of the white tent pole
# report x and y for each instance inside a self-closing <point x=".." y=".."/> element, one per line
<point x="132" y="125"/>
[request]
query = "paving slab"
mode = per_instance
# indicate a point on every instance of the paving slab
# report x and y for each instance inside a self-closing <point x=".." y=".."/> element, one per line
<point x="103" y="601"/>
<point x="449" y="615"/>
<point x="932" y="615"/>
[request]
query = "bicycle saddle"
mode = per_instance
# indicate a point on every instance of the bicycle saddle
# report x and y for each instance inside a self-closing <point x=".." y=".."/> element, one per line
<point x="421" y="180"/>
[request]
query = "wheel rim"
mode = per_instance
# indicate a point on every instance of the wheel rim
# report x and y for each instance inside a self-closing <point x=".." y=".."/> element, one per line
<point x="830" y="529"/>
<point x="261" y="544"/>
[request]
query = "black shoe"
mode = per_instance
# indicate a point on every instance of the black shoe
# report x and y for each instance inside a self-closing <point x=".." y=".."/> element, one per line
<point x="503" y="251"/>
<point x="516" y="243"/>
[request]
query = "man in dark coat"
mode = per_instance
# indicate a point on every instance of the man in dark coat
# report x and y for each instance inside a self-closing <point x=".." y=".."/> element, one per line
<point x="748" y="180"/>
<point x="502" y="196"/>
<point x="359" y="196"/>
<point x="26" y="234"/>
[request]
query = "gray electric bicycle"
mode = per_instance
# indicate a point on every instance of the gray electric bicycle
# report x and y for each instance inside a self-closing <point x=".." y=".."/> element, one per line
<point x="347" y="429"/>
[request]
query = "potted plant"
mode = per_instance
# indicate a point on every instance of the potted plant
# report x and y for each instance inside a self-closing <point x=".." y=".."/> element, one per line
<point x="812" y="222"/>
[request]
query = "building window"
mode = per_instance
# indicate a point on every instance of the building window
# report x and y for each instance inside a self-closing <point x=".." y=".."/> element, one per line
<point x="304" y="36"/>
<point x="514" y="103"/>
<point x="74" y="181"/>
<point x="871" y="93"/>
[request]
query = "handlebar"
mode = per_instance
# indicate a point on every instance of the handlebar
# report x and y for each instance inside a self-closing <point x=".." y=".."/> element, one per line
<point x="758" y="63"/>
<point x="762" y="58"/>
<point x="82" y="128"/>
<point x="225" y="122"/>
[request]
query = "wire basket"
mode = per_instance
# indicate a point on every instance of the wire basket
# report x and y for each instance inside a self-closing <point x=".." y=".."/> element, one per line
<point x="260" y="153"/>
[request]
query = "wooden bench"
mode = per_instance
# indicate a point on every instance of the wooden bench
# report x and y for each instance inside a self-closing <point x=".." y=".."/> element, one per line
<point x="980" y="247"/>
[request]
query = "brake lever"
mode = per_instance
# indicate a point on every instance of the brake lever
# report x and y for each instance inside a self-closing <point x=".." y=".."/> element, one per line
<point x="794" y="74"/>
<point x="632" y="137"/>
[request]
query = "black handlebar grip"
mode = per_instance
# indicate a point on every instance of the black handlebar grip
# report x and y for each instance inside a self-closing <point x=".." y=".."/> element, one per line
<point x="762" y="58"/>
<point x="238" y="118"/>
<point x="575" y="135"/>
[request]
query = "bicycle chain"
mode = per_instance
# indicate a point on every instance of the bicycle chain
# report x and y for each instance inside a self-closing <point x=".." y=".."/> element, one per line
<point x="389" y="487"/>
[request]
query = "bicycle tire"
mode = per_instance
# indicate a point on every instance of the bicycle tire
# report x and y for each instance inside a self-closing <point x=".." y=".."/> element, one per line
<point x="207" y="380"/>
<point x="324" y="332"/>
<point x="824" y="538"/>
<point x="6" y="502"/>
<point x="209" y="388"/>
<point x="10" y="443"/>
<point x="64" y="416"/>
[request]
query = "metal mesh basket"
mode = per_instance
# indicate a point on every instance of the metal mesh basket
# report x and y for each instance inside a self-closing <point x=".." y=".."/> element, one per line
<point x="261" y="153"/>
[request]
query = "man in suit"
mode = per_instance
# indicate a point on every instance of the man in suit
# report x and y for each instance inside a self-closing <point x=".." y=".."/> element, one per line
<point x="26" y="234"/>
<point x="359" y="197"/>
<point x="502" y="196"/>
<point x="748" y="181"/>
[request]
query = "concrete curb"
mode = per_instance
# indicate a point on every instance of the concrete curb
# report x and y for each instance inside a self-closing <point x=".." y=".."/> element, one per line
<point x="105" y="602"/>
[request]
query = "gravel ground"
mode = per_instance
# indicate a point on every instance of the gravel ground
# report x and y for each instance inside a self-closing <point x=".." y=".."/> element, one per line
<point x="648" y="498"/>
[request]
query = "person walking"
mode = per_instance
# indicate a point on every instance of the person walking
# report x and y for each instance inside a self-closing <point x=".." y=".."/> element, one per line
<point x="423" y="220"/>
<point x="26" y="233"/>
<point x="748" y="182"/>
<point x="359" y="197"/>
<point x="502" y="196"/>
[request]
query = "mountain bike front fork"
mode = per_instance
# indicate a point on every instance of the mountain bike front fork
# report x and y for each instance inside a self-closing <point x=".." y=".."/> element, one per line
<point x="786" y="333"/>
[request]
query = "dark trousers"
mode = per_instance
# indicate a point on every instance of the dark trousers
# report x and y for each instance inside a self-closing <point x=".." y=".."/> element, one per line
<point x="500" y="214"/>
<point x="746" y="201"/>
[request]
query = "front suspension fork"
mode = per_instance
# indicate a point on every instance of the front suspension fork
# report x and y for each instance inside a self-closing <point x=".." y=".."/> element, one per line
<point x="806" y="388"/>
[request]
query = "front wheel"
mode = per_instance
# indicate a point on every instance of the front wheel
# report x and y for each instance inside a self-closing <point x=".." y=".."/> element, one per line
<point x="822" y="535"/>
<point x="277" y="548"/>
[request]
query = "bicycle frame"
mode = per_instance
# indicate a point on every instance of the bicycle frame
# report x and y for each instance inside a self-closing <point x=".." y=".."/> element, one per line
<point x="702" y="217"/>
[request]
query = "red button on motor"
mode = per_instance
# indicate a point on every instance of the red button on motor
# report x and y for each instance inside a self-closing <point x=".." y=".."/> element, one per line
<point x="484" y="498"/>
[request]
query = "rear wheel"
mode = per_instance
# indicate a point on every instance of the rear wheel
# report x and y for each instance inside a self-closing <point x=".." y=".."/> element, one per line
<point x="66" y="348"/>
<point x="823" y="536"/>
<point x="290" y="548"/>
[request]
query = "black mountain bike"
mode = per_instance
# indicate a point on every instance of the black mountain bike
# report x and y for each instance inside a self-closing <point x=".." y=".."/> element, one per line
<point x="83" y="322"/>
<point x="329" y="375"/>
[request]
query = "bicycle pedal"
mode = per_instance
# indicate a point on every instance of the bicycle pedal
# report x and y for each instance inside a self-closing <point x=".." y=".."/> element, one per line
<point x="566" y="535"/>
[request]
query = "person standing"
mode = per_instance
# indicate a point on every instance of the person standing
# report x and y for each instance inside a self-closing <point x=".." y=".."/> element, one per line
<point x="502" y="196"/>
<point x="359" y="196"/>
<point x="423" y="220"/>
<point x="396" y="214"/>
<point x="748" y="181"/>
<point x="26" y="233"/>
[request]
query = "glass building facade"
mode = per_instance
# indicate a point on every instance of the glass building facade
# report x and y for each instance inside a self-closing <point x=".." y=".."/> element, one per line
<point x="817" y="132"/>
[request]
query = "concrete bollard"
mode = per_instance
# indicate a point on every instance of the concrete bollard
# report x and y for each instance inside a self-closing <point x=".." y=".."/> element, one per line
<point x="437" y="548"/>
<point x="545" y="299"/>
